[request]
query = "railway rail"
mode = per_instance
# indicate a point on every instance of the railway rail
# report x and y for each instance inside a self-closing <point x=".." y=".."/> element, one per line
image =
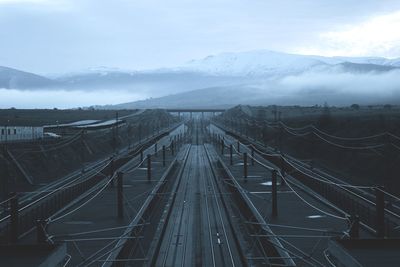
<point x="21" y="217"/>
<point x="348" y="199"/>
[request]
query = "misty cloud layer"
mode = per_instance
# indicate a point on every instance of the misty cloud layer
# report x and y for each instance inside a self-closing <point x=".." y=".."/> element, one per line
<point x="344" y="88"/>
<point x="309" y="88"/>
<point x="62" y="98"/>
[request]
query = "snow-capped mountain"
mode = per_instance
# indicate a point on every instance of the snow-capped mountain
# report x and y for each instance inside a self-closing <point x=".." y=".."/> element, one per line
<point x="264" y="62"/>
<point x="253" y="63"/>
<point x="231" y="78"/>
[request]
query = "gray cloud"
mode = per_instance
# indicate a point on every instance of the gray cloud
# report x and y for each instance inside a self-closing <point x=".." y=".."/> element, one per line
<point x="57" y="36"/>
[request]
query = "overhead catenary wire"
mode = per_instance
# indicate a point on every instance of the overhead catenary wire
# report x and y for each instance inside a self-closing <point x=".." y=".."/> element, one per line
<point x="389" y="194"/>
<point x="86" y="202"/>
<point x="58" y="189"/>
<point x="290" y="252"/>
<point x="63" y="141"/>
<point x="333" y="143"/>
<point x="329" y="214"/>
<point x="309" y="175"/>
<point x="6" y="200"/>
<point x="64" y="186"/>
<point x="296" y="168"/>
<point x="321" y="181"/>
<point x="263" y="153"/>
<point x="314" y="128"/>
<point x="50" y="149"/>
<point x="280" y="238"/>
<point x="338" y="184"/>
<point x="349" y="147"/>
<point x="324" y="180"/>
<point x="308" y="203"/>
<point x="92" y="231"/>
<point x="94" y="196"/>
<point x="97" y="170"/>
<point x="95" y="258"/>
<point x="303" y="228"/>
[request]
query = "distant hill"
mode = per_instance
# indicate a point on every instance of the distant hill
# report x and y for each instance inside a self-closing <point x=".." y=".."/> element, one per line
<point x="155" y="83"/>
<point x="220" y="70"/>
<point x="213" y="97"/>
<point x="264" y="62"/>
<point x="228" y="79"/>
<point x="365" y="67"/>
<point x="16" y="79"/>
<point x="268" y="94"/>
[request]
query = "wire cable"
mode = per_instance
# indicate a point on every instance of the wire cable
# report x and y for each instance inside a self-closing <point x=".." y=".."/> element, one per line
<point x="309" y="204"/>
<point x="86" y="202"/>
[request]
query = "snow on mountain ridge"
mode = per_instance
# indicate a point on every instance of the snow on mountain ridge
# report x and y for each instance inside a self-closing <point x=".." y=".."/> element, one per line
<point x="248" y="64"/>
<point x="264" y="62"/>
<point x="253" y="63"/>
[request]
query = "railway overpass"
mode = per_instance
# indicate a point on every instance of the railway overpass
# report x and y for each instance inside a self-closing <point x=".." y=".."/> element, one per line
<point x="180" y="111"/>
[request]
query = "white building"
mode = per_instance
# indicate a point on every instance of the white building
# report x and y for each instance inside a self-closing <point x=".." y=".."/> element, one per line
<point x="16" y="133"/>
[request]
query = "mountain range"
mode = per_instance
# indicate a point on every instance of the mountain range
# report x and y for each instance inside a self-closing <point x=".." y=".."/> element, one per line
<point x="217" y="80"/>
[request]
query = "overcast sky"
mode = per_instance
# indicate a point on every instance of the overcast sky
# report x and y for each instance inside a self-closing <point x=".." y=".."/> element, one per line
<point x="54" y="36"/>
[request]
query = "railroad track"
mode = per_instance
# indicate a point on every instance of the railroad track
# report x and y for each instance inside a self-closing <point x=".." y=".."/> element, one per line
<point x="188" y="219"/>
<point x="50" y="199"/>
<point x="223" y="245"/>
<point x="176" y="238"/>
<point x="215" y="245"/>
<point x="29" y="199"/>
<point x="347" y="198"/>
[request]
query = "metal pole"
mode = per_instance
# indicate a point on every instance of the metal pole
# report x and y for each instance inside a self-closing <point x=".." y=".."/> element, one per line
<point x="274" y="195"/>
<point x="245" y="166"/>
<point x="120" y="197"/>
<point x="14" y="218"/>
<point x="222" y="146"/>
<point x="238" y="146"/>
<point x="155" y="149"/>
<point x="148" y="167"/>
<point x="141" y="154"/>
<point x="172" y="147"/>
<point x="163" y="155"/>
<point x="380" y="212"/>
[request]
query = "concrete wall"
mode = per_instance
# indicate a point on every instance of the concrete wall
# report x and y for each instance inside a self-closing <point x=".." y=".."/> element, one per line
<point x="16" y="133"/>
